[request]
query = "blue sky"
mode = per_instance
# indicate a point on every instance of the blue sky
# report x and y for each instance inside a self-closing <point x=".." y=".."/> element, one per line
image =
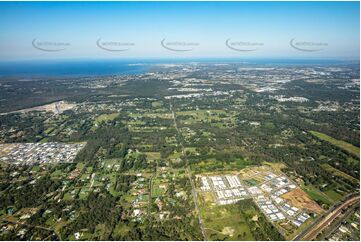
<point x="144" y="25"/>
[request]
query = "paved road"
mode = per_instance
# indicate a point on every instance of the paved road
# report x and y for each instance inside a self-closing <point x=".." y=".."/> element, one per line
<point x="337" y="224"/>
<point x="311" y="233"/>
<point x="150" y="196"/>
<point x="154" y="175"/>
<point x="194" y="192"/>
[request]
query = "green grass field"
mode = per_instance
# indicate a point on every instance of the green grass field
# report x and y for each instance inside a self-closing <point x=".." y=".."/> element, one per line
<point x="35" y="168"/>
<point x="67" y="196"/>
<point x="155" y="113"/>
<point x="225" y="223"/>
<point x="57" y="174"/>
<point x="337" y="172"/>
<point x="317" y="195"/>
<point x="80" y="165"/>
<point x="215" y="165"/>
<point x="339" y="143"/>
<point x="105" y="117"/>
<point x="200" y="115"/>
<point x="157" y="191"/>
<point x="153" y="155"/>
<point x="84" y="193"/>
<point x="334" y="195"/>
<point x="157" y="104"/>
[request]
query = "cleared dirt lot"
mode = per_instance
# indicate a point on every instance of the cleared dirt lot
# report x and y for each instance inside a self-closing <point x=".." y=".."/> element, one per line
<point x="300" y="199"/>
<point x="55" y="107"/>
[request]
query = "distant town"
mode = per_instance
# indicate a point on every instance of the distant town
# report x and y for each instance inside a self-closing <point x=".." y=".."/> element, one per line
<point x="37" y="153"/>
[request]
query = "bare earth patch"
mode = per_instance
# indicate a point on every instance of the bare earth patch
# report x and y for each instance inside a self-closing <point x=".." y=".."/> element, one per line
<point x="55" y="107"/>
<point x="208" y="198"/>
<point x="300" y="199"/>
<point x="228" y="231"/>
<point x="255" y="218"/>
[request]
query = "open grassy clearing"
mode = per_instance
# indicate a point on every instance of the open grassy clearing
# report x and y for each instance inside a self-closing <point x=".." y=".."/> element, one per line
<point x="157" y="104"/>
<point x="339" y="143"/>
<point x="174" y="155"/>
<point x="275" y="166"/>
<point x="135" y="123"/>
<point x="152" y="155"/>
<point x="105" y="117"/>
<point x="225" y="223"/>
<point x="334" y="195"/>
<point x="214" y="165"/>
<point x="200" y="115"/>
<point x="317" y="195"/>
<point x="57" y="174"/>
<point x="336" y="172"/>
<point x="158" y="113"/>
<point x="190" y="150"/>
<point x="216" y="118"/>
<point x="146" y="129"/>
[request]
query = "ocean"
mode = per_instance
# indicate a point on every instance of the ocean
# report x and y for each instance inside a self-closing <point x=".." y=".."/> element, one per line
<point x="73" y="68"/>
<point x="28" y="69"/>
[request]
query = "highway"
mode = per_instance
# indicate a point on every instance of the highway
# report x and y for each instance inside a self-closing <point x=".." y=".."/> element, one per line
<point x="336" y="224"/>
<point x="311" y="232"/>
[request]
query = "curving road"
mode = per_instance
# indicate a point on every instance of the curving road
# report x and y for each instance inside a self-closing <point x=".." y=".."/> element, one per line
<point x="316" y="228"/>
